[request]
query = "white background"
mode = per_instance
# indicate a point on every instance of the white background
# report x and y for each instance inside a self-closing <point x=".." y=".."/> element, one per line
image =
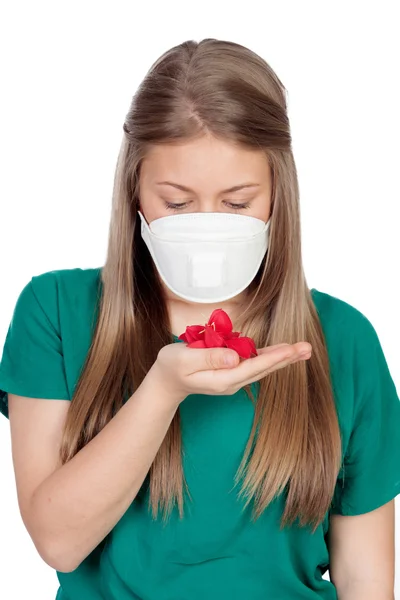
<point x="69" y="71"/>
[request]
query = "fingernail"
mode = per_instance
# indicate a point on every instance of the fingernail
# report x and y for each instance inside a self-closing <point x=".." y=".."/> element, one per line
<point x="307" y="350"/>
<point x="229" y="360"/>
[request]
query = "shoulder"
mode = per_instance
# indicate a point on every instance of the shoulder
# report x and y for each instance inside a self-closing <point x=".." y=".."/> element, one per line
<point x="63" y="279"/>
<point x="49" y="292"/>
<point x="54" y="285"/>
<point x="362" y="383"/>
<point x="341" y="319"/>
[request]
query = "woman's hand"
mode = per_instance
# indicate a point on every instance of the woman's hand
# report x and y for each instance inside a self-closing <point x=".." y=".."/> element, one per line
<point x="182" y="371"/>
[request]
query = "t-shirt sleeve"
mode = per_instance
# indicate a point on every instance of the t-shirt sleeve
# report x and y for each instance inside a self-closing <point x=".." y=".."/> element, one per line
<point x="32" y="362"/>
<point x="370" y="474"/>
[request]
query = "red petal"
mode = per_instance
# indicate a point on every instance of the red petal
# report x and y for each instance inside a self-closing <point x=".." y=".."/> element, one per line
<point x="193" y="333"/>
<point x="212" y="338"/>
<point x="233" y="334"/>
<point x="221" y="320"/>
<point x="244" y="346"/>
<point x="197" y="344"/>
<point x="182" y="337"/>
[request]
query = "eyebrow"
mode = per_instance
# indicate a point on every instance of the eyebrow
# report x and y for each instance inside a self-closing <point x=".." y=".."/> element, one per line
<point x="235" y="188"/>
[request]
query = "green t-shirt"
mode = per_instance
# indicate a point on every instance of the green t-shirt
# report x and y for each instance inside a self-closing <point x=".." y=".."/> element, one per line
<point x="216" y="552"/>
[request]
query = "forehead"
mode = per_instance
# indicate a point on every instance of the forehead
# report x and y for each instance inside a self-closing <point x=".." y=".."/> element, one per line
<point x="205" y="159"/>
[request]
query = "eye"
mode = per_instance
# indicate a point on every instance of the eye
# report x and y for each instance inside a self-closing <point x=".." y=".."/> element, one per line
<point x="238" y="206"/>
<point x="174" y="206"/>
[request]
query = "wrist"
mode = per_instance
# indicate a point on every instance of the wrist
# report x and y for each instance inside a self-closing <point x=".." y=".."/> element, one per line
<point x="158" y="389"/>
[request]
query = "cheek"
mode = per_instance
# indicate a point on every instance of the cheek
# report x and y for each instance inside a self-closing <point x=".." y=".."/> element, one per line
<point x="263" y="210"/>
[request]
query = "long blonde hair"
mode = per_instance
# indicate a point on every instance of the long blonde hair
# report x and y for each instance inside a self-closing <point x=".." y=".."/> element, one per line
<point x="225" y="89"/>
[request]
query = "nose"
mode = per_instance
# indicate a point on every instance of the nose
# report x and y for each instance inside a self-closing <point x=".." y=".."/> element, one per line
<point x="207" y="206"/>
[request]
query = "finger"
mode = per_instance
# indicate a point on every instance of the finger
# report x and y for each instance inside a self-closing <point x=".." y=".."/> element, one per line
<point x="209" y="359"/>
<point x="272" y="369"/>
<point x="266" y="359"/>
<point x="253" y="368"/>
<point x="298" y="347"/>
<point x="275" y="346"/>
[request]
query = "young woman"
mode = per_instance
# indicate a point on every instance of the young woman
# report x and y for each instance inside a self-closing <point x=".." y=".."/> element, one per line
<point x="150" y="469"/>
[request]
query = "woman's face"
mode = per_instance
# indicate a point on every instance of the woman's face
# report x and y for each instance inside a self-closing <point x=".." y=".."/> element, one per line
<point x="201" y="174"/>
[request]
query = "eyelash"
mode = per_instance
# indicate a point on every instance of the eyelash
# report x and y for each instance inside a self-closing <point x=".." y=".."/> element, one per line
<point x="172" y="206"/>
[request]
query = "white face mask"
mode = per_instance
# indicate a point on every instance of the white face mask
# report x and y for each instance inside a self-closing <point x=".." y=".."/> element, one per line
<point x="206" y="257"/>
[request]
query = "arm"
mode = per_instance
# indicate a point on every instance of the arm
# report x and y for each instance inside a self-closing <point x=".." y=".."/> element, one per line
<point x="68" y="510"/>
<point x="362" y="552"/>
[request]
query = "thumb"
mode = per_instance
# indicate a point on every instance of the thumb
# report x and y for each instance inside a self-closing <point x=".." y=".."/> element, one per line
<point x="220" y="358"/>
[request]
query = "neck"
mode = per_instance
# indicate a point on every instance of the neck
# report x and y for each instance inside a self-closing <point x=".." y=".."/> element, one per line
<point x="183" y="313"/>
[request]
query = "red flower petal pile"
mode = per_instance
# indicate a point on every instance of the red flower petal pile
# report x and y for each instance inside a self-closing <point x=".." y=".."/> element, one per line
<point x="217" y="333"/>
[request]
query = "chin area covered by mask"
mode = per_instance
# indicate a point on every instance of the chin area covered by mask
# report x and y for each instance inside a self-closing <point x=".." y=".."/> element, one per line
<point x="206" y="257"/>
